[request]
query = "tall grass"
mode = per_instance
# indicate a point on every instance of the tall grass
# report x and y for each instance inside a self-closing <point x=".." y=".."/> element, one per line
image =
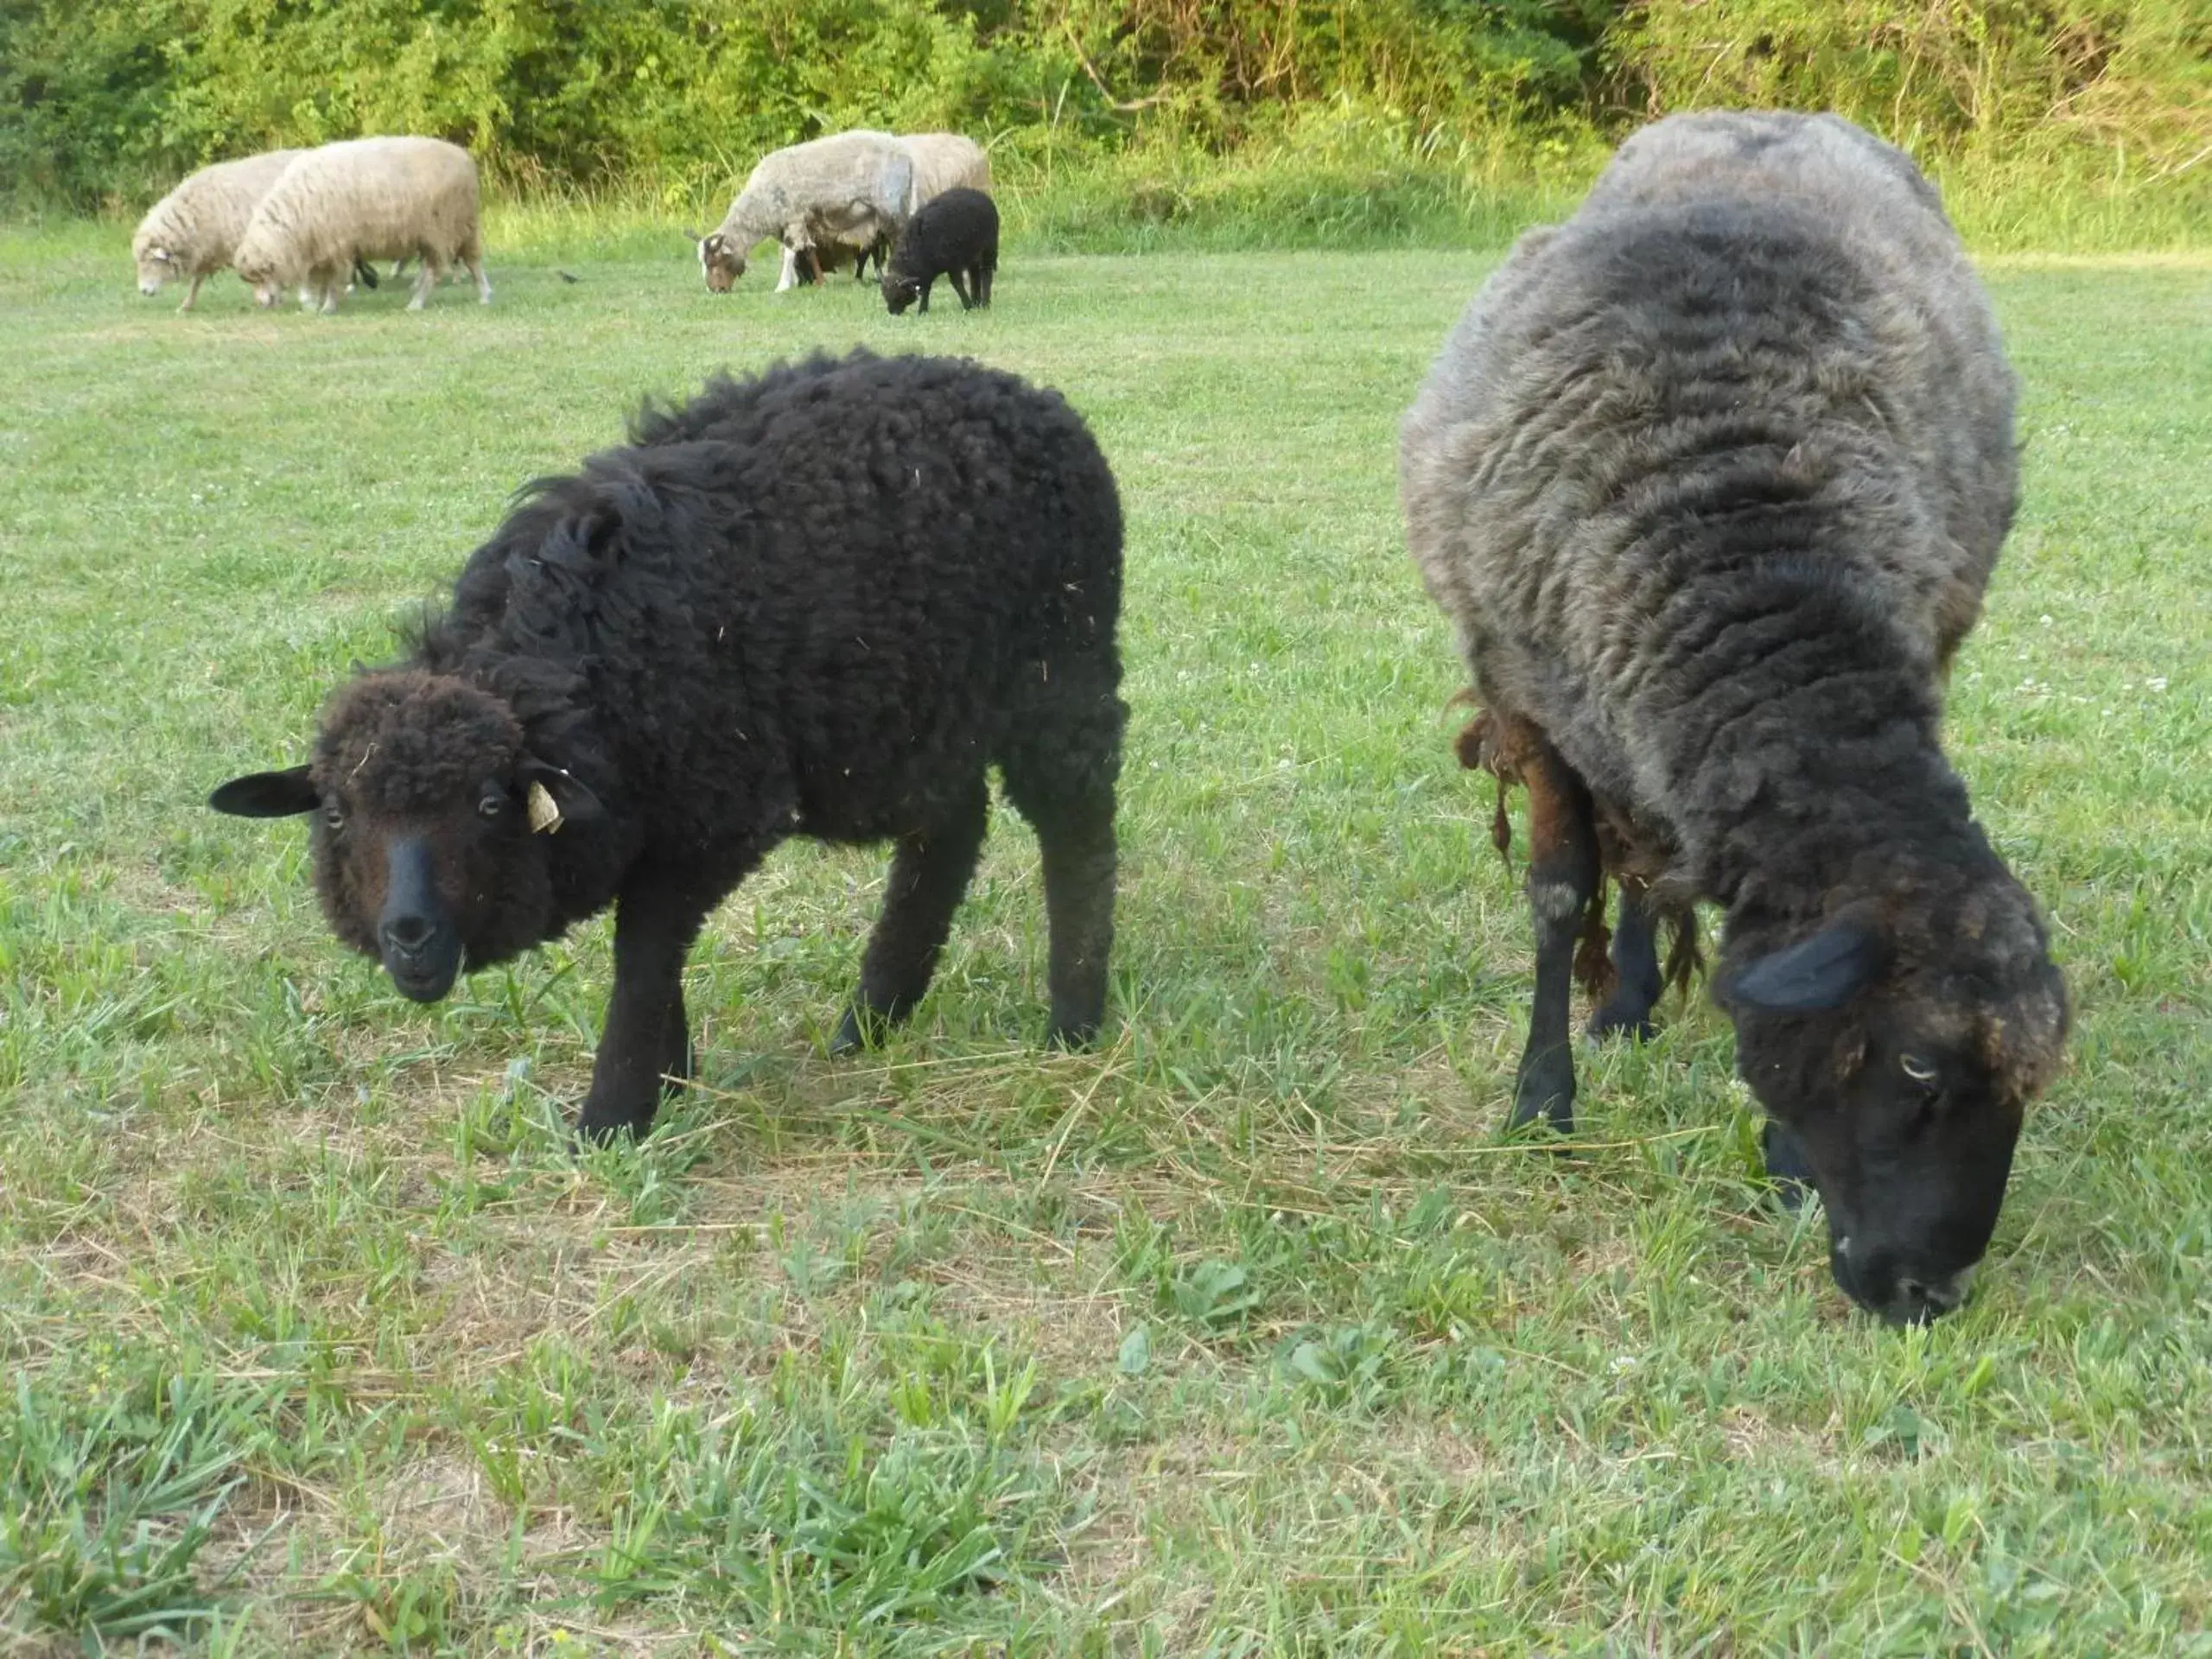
<point x="1478" y="193"/>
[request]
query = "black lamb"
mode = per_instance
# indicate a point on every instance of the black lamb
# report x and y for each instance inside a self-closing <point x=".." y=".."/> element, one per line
<point x="819" y="603"/>
<point x="953" y="235"/>
<point x="1711" y="479"/>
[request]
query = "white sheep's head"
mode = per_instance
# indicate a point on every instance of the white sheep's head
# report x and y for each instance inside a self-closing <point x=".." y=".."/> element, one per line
<point x="156" y="265"/>
<point x="260" y="268"/>
<point x="721" y="260"/>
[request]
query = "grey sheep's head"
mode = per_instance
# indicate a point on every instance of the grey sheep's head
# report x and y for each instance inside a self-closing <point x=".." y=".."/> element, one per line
<point x="1901" y="1052"/>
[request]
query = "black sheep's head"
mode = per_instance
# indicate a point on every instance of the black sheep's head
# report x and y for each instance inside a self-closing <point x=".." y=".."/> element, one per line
<point x="899" y="292"/>
<point x="722" y="261"/>
<point x="1901" y="1052"/>
<point x="430" y="817"/>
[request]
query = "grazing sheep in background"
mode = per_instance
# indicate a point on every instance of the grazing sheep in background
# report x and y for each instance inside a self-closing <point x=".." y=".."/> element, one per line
<point x="1710" y="479"/>
<point x="193" y="232"/>
<point x="360" y="200"/>
<point x="943" y="162"/>
<point x="958" y="234"/>
<point x="850" y="189"/>
<point x="836" y="199"/>
<point x="818" y="603"/>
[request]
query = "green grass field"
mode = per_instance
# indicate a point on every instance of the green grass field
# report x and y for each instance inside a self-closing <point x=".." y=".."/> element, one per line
<point x="1244" y="1334"/>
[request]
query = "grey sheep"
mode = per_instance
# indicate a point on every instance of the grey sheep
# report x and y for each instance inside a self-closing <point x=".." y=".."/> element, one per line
<point x="1711" y="480"/>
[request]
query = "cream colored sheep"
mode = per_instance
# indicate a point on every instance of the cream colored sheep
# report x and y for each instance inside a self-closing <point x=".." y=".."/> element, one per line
<point x="193" y="232"/>
<point x="943" y="162"/>
<point x="364" y="198"/>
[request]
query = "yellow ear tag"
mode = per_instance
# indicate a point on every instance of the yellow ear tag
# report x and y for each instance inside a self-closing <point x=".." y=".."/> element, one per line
<point x="544" y="816"/>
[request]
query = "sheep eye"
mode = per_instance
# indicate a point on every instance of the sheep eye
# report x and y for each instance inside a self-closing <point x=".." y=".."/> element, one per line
<point x="1921" y="1071"/>
<point x="490" y="806"/>
<point x="333" y="813"/>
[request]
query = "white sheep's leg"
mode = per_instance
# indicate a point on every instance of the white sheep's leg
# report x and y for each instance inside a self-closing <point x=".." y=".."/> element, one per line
<point x="193" y="292"/>
<point x="787" y="277"/>
<point x="475" y="262"/>
<point x="426" y="278"/>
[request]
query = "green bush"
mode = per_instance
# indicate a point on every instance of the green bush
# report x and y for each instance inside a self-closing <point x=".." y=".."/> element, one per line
<point x="1947" y="75"/>
<point x="107" y="98"/>
<point x="1126" y="121"/>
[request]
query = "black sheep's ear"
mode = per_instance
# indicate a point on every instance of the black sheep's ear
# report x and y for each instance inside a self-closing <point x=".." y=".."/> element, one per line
<point x="1812" y="975"/>
<point x="556" y="796"/>
<point x="267" y="794"/>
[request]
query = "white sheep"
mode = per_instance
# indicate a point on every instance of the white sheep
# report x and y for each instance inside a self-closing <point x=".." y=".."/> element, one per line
<point x="943" y="162"/>
<point x="364" y="198"/>
<point x="193" y="232"/>
<point x="847" y="191"/>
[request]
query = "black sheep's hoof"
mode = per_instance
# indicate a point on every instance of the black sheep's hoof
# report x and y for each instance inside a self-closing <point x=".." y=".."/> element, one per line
<point x="1609" y="1021"/>
<point x="1544" y="1090"/>
<point x="1072" y="1034"/>
<point x="1786" y="1167"/>
<point x="861" y="1029"/>
<point x="593" y="1131"/>
<point x="1554" y="1114"/>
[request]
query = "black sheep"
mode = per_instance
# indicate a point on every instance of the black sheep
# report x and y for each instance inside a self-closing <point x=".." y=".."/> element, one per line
<point x="1712" y="478"/>
<point x="952" y="235"/>
<point x="819" y="603"/>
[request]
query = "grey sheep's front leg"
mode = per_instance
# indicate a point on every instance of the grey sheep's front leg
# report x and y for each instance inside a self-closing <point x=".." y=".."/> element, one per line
<point x="1563" y="877"/>
<point x="1636" y="981"/>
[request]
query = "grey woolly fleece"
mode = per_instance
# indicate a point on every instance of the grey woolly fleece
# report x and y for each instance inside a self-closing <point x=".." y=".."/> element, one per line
<point x="1710" y="479"/>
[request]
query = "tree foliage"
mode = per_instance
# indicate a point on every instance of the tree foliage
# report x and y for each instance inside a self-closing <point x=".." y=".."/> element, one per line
<point x="104" y="101"/>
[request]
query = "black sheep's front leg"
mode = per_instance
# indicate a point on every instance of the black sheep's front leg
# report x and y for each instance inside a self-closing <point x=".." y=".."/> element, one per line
<point x="646" y="1040"/>
<point x="1563" y="876"/>
<point x="961" y="289"/>
<point x="1636" y="983"/>
<point x="930" y="874"/>
<point x="928" y="283"/>
<point x="1077" y="841"/>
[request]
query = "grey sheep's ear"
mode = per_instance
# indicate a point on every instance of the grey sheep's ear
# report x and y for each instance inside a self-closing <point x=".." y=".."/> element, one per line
<point x="1812" y="975"/>
<point x="267" y="794"/>
<point x="574" y="798"/>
